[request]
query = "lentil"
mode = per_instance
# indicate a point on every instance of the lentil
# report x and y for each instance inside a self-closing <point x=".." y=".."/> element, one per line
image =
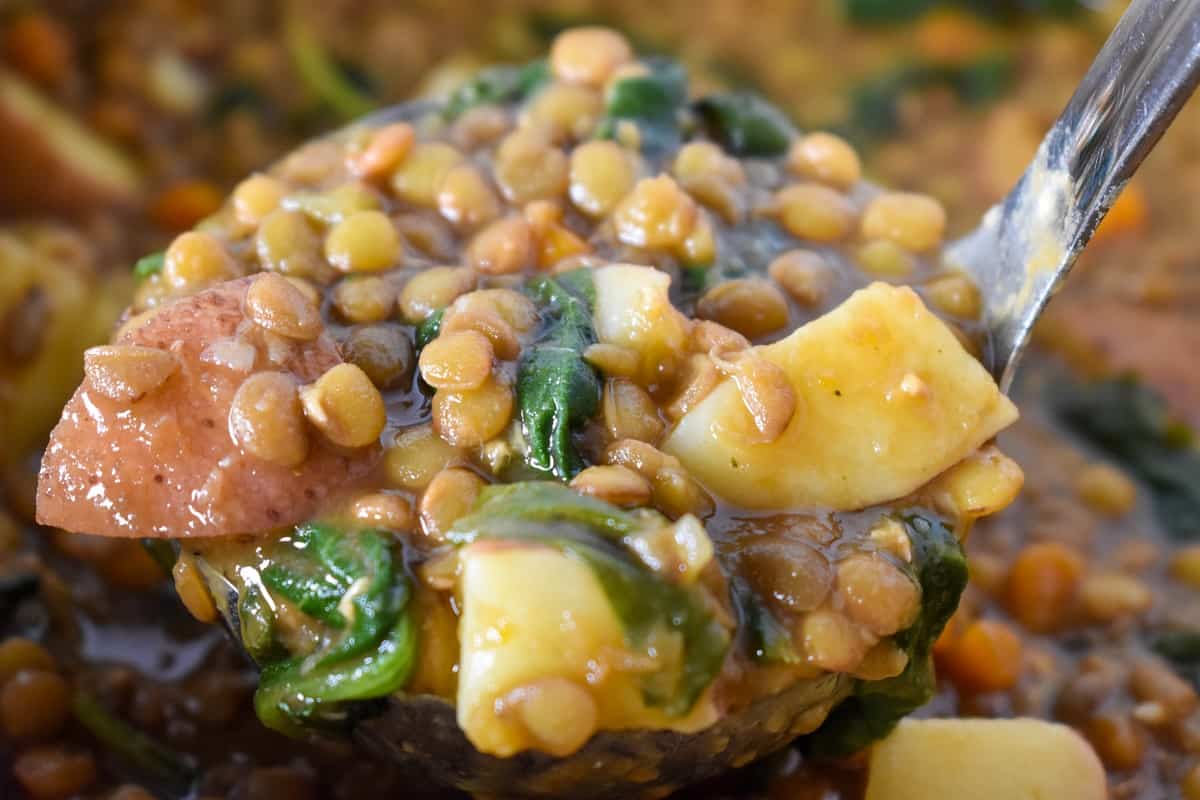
<point x="504" y="247"/>
<point x="826" y="158"/>
<point x="601" y="173"/>
<point x="364" y="299"/>
<point x="389" y="511"/>
<point x="751" y="306"/>
<point x="34" y="704"/>
<point x="276" y="304"/>
<point x="457" y="360"/>
<point x="433" y="290"/>
<point x="365" y="241"/>
<point x="450" y="495"/>
<point x="1106" y="489"/>
<point x="589" y="55"/>
<point x="469" y="418"/>
<point x="415" y="456"/>
<point x="266" y="419"/>
<point x="345" y="406"/>
<point x="195" y="260"/>
<point x="1042" y="583"/>
<point x="466" y="198"/>
<point x="806" y="276"/>
<point x="126" y="373"/>
<point x="383" y="152"/>
<point x="814" y="212"/>
<point x="51" y="773"/>
<point x="915" y="222"/>
<point x="384" y="352"/>
<point x="617" y="485"/>
<point x="419" y="177"/>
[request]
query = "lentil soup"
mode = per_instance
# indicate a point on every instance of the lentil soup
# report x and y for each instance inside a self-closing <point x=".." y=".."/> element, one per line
<point x="564" y="323"/>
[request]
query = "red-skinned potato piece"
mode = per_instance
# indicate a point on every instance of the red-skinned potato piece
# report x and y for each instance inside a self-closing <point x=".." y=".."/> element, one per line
<point x="165" y="465"/>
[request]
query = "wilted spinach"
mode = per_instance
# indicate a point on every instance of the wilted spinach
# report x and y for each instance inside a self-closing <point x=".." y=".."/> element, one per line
<point x="500" y="85"/>
<point x="644" y="602"/>
<point x="653" y="102"/>
<point x="557" y="391"/>
<point x="1129" y="421"/>
<point x="745" y="124"/>
<point x="875" y="707"/>
<point x="371" y="655"/>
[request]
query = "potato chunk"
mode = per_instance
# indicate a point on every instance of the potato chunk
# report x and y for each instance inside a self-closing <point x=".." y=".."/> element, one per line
<point x="634" y="311"/>
<point x="984" y="759"/>
<point x="887" y="399"/>
<point x="520" y="636"/>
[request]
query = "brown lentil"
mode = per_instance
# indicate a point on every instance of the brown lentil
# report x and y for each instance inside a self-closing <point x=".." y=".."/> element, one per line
<point x="751" y="306"/>
<point x="560" y="714"/>
<point x="601" y="173"/>
<point x="266" y="419"/>
<point x="432" y="290"/>
<point x="885" y="259"/>
<point x="529" y="168"/>
<point x="466" y="198"/>
<point x="806" y="276"/>
<point x="469" y="418"/>
<point x="390" y="511"/>
<point x="255" y="198"/>
<point x="364" y="299"/>
<point x="276" y="304"/>
<point x="195" y="260"/>
<point x="629" y="412"/>
<point x="1105" y="489"/>
<point x="384" y="352"/>
<point x="826" y="158"/>
<point x="955" y="294"/>
<point x="1185" y="566"/>
<point x="916" y="222"/>
<point x="1108" y="597"/>
<point x="450" y="495"/>
<point x="588" y="55"/>
<point x="415" y="456"/>
<point x="815" y="212"/>
<point x="419" y="177"/>
<point x="656" y="214"/>
<point x="287" y="243"/>
<point x="385" y="149"/>
<point x="457" y="360"/>
<point x="34" y="704"/>
<point x="192" y="588"/>
<point x="504" y="247"/>
<point x="345" y="406"/>
<point x="53" y="773"/>
<point x="365" y="241"/>
<point x="617" y="485"/>
<point x="17" y="654"/>
<point x="877" y="594"/>
<point x="125" y="372"/>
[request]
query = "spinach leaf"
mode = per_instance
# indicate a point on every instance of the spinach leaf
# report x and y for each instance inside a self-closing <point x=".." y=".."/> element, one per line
<point x="767" y="639"/>
<point x="149" y="265"/>
<point x="1129" y="421"/>
<point x="371" y="655"/>
<point x="745" y="124"/>
<point x="645" y="603"/>
<point x="158" y="763"/>
<point x="557" y="391"/>
<point x="652" y="102"/>
<point x="544" y="502"/>
<point x="876" y="101"/>
<point x="876" y="706"/>
<point x="428" y="329"/>
<point x="502" y="84"/>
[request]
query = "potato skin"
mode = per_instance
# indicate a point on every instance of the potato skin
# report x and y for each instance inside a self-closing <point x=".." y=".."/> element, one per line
<point x="420" y="733"/>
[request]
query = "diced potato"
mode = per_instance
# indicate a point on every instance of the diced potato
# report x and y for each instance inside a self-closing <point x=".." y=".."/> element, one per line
<point x="515" y="632"/>
<point x="984" y="759"/>
<point x="887" y="399"/>
<point x="634" y="311"/>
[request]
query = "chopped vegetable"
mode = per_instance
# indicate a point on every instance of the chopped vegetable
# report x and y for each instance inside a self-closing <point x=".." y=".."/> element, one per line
<point x="543" y="502"/>
<point x="372" y="654"/>
<point x="1129" y="421"/>
<point x="557" y="390"/>
<point x="645" y="603"/>
<point x="157" y="761"/>
<point x="876" y="101"/>
<point x="745" y="124"/>
<point x="149" y="265"/>
<point x="503" y="84"/>
<point x="652" y="102"/>
<point x="429" y="328"/>
<point x="877" y="706"/>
